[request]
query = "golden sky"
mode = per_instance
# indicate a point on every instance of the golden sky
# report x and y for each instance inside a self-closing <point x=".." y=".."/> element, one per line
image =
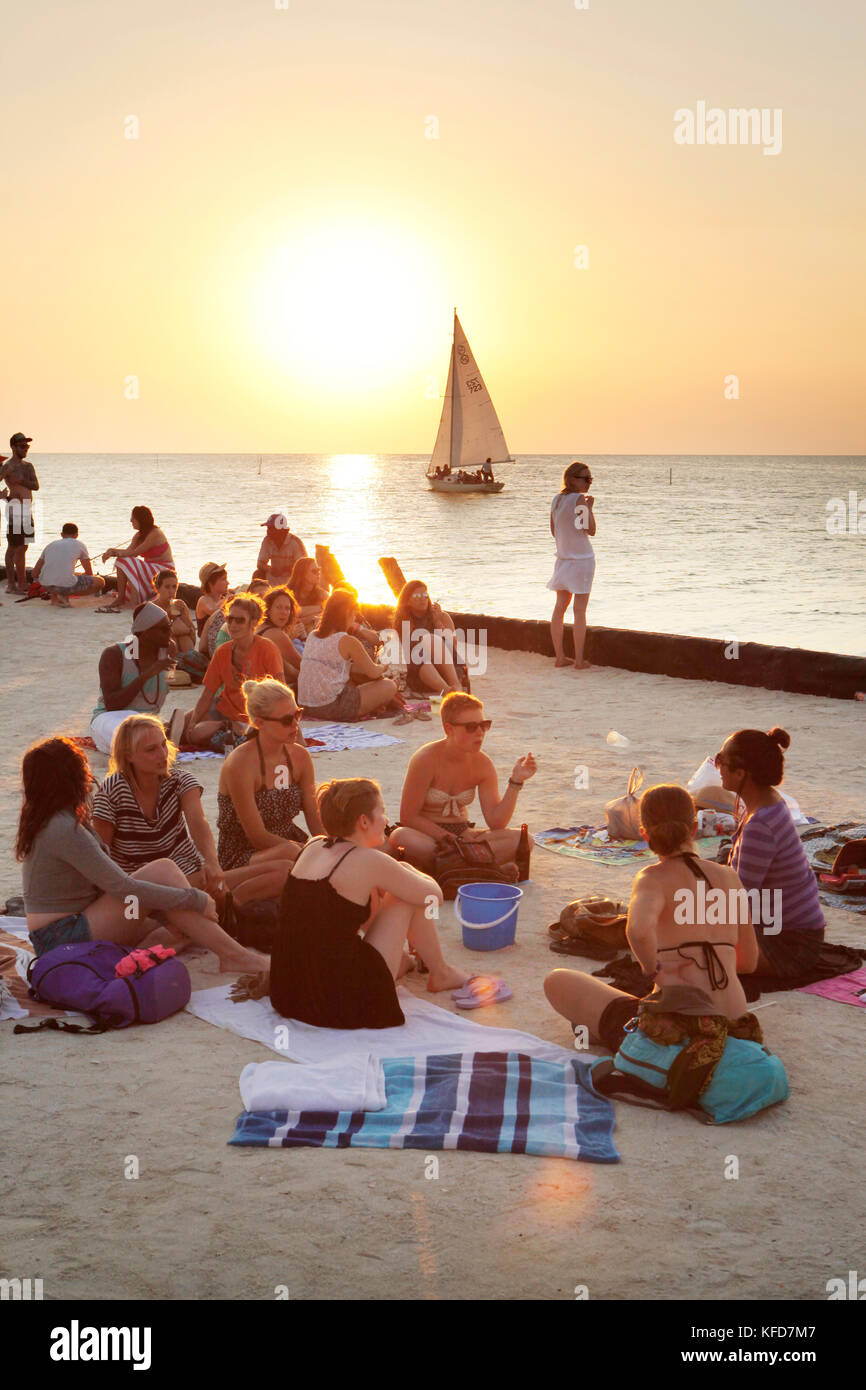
<point x="272" y="264"/>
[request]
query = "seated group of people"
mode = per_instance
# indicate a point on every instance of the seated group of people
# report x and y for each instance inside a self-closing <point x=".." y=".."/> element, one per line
<point x="144" y="833"/>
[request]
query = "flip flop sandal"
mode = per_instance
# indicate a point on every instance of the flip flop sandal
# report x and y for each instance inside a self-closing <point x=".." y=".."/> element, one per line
<point x="404" y="718"/>
<point x="108" y="608"/>
<point x="568" y="947"/>
<point x="480" y="990"/>
<point x="423" y="714"/>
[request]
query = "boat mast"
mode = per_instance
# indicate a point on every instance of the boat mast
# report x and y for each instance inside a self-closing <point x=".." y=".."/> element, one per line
<point x="453" y="385"/>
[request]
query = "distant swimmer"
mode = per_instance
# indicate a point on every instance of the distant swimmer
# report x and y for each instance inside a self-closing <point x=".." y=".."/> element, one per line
<point x="572" y="522"/>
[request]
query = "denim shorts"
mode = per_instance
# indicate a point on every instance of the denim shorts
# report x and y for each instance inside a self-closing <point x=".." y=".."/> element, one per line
<point x="61" y="933"/>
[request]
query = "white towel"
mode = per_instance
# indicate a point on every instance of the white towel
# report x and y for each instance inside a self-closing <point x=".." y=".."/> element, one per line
<point x="352" y="1082"/>
<point x="428" y="1028"/>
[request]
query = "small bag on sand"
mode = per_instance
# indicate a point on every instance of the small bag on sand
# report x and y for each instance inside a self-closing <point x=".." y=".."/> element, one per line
<point x="82" y="976"/>
<point x="458" y="863"/>
<point x="623" y="814"/>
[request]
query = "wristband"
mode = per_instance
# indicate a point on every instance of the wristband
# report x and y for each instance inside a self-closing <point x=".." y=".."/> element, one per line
<point x="512" y="783"/>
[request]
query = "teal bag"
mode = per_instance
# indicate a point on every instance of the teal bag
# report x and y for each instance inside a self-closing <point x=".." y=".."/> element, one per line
<point x="747" y="1077"/>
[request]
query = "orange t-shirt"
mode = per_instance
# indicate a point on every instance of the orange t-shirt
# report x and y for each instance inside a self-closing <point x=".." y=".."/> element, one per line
<point x="262" y="659"/>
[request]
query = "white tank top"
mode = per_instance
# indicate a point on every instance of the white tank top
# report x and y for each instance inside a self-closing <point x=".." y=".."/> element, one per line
<point x="323" y="672"/>
<point x="572" y="542"/>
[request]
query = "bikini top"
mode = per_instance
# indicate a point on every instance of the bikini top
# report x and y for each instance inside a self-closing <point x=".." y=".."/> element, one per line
<point x="718" y="975"/>
<point x="439" y="805"/>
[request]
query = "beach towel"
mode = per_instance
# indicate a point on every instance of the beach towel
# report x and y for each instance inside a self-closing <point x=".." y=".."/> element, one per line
<point x="833" y="960"/>
<point x="593" y="842"/>
<point x="828" y="840"/>
<point x="330" y="737"/>
<point x="428" y="1028"/>
<point x="140" y="571"/>
<point x="16" y="953"/>
<point x="845" y="989"/>
<point x="342" y="1083"/>
<point x="490" y="1102"/>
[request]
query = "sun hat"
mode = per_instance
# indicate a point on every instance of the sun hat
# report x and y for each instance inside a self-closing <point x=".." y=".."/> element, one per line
<point x="210" y="571"/>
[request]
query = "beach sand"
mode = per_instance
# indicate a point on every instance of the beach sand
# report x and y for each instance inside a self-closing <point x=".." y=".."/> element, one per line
<point x="207" y="1221"/>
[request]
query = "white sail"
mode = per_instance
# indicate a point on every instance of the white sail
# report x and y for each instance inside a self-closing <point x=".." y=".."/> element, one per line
<point x="469" y="430"/>
<point x="442" y="448"/>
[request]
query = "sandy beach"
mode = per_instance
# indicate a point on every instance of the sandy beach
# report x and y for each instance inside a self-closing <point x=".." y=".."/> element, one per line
<point x="207" y="1221"/>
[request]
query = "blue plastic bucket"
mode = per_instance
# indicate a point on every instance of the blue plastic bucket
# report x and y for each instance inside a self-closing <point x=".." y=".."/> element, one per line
<point x="487" y="912"/>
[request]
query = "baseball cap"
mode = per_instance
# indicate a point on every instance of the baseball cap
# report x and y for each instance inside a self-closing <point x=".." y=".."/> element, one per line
<point x="278" y="520"/>
<point x="20" y="438"/>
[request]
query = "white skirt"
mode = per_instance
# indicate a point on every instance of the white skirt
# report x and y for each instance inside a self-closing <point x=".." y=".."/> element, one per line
<point x="573" y="576"/>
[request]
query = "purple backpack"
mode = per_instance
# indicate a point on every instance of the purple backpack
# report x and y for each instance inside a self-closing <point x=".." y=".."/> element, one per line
<point x="80" y="976"/>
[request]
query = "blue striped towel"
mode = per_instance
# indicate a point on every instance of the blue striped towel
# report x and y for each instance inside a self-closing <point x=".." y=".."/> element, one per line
<point x="494" y="1102"/>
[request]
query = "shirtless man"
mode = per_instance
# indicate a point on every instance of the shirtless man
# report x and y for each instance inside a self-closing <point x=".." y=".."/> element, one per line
<point x="441" y="783"/>
<point x="279" y="551"/>
<point x="20" y="482"/>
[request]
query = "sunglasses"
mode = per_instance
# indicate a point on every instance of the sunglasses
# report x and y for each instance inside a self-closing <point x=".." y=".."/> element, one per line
<point x="419" y="593"/>
<point x="236" y="618"/>
<point x="473" y="725"/>
<point x="287" y="720"/>
<point x="721" y="761"/>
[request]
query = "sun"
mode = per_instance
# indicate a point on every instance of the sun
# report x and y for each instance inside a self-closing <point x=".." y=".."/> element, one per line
<point x="347" y="305"/>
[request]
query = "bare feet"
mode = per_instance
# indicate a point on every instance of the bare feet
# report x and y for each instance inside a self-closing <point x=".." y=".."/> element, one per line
<point x="447" y="978"/>
<point x="562" y="661"/>
<point x="583" y="665"/>
<point x="244" y="960"/>
<point x="406" y="964"/>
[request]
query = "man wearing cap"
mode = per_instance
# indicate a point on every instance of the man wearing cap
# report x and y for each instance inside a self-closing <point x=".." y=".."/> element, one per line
<point x="20" y="482"/>
<point x="132" y="675"/>
<point x="279" y="551"/>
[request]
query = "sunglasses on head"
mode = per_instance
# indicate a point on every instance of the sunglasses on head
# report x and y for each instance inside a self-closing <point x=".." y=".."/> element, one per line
<point x="287" y="720"/>
<point x="473" y="725"/>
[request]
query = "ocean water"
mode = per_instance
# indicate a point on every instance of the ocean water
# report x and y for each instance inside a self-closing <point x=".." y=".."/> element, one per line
<point x="736" y="548"/>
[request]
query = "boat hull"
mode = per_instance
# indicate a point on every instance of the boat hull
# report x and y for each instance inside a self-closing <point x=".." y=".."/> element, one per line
<point x="450" y="485"/>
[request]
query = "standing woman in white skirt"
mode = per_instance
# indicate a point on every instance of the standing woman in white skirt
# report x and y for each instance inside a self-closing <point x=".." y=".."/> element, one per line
<point x="572" y="522"/>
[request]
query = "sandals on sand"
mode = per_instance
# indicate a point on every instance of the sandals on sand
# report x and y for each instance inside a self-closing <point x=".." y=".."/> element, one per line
<point x="108" y="608"/>
<point x="479" y="990"/>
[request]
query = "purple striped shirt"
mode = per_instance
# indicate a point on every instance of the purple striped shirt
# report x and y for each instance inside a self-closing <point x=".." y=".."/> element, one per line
<point x="768" y="854"/>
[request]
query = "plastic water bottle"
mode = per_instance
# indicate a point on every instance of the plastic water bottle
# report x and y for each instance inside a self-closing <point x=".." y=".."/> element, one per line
<point x="618" y="740"/>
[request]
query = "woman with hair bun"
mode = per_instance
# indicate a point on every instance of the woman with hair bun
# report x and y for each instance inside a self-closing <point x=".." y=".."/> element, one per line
<point x="767" y="853"/>
<point x="322" y="971"/>
<point x="693" y="962"/>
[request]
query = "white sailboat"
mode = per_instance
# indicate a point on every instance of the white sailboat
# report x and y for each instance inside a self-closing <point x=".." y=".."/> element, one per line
<point x="470" y="436"/>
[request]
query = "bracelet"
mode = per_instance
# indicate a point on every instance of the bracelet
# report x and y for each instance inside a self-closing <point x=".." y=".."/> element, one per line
<point x="512" y="783"/>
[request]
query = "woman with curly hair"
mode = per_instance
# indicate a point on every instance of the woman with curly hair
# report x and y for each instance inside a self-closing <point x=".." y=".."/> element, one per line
<point x="310" y="595"/>
<point x="74" y="891"/>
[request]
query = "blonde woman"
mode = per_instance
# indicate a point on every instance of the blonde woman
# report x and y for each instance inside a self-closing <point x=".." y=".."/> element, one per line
<point x="264" y="785"/>
<point x="442" y="781"/>
<point x="148" y="808"/>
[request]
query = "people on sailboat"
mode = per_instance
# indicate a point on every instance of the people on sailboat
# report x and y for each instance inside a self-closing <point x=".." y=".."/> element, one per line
<point x="426" y="634"/>
<point x="487" y="470"/>
<point x="572" y="522"/>
<point x="441" y="783"/>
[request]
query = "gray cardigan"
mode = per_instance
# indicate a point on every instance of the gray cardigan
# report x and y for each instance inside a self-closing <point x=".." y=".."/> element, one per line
<point x="67" y="869"/>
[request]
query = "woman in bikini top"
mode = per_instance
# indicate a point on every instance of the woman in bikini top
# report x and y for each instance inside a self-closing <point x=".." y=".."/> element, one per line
<point x="690" y="938"/>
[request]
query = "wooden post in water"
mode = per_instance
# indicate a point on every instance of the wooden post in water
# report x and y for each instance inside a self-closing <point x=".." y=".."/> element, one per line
<point x="671" y="478"/>
<point x="327" y="562"/>
<point x="392" y="573"/>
